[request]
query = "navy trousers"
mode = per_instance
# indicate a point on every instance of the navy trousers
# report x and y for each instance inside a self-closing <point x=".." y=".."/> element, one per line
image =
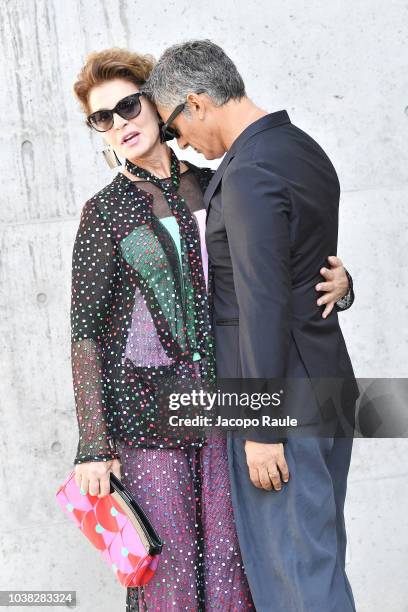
<point x="293" y="541"/>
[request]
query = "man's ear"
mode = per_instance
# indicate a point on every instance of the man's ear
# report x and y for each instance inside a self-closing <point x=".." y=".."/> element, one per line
<point x="197" y="104"/>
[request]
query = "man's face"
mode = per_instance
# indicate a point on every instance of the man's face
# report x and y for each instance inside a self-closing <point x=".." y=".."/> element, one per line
<point x="198" y="130"/>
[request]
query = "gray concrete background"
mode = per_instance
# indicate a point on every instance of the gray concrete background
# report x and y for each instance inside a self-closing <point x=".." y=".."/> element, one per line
<point x="340" y="69"/>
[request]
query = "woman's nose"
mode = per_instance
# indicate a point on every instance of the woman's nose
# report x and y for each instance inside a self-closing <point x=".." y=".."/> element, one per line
<point x="118" y="121"/>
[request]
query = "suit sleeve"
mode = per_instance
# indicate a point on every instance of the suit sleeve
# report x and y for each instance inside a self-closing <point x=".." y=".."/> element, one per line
<point x="256" y="206"/>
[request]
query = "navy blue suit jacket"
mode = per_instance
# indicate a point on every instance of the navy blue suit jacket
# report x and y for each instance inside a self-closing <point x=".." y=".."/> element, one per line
<point x="272" y="220"/>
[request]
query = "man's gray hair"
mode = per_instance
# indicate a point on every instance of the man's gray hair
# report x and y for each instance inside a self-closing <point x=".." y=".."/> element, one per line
<point x="196" y="66"/>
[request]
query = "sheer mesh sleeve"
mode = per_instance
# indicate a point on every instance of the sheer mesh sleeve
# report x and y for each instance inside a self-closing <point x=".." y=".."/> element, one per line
<point x="346" y="301"/>
<point x="94" y="274"/>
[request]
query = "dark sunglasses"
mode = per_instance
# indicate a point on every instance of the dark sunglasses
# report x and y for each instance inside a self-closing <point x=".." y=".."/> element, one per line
<point x="127" y="108"/>
<point x="167" y="132"/>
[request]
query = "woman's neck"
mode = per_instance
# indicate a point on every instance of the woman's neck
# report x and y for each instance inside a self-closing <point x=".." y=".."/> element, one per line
<point x="157" y="162"/>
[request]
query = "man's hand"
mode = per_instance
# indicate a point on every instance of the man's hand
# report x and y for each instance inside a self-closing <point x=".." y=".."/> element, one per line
<point x="335" y="287"/>
<point x="93" y="476"/>
<point x="267" y="464"/>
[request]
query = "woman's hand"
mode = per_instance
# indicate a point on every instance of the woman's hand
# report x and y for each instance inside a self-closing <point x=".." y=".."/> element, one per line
<point x="335" y="287"/>
<point x="93" y="476"/>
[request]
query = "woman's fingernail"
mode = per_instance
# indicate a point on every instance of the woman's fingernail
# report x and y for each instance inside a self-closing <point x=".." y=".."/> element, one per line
<point x="82" y="492"/>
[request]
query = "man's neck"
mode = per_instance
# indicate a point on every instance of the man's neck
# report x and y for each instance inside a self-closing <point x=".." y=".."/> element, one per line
<point x="235" y="117"/>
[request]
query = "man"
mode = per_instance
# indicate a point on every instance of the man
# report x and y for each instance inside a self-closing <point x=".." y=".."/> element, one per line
<point x="272" y="219"/>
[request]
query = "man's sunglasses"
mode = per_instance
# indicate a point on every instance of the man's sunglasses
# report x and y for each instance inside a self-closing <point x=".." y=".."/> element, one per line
<point x="127" y="108"/>
<point x="167" y="132"/>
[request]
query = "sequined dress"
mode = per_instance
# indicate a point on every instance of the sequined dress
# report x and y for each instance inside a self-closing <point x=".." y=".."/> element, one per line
<point x="139" y="322"/>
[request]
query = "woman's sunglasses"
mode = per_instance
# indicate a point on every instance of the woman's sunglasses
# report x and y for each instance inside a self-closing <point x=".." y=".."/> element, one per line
<point x="127" y="108"/>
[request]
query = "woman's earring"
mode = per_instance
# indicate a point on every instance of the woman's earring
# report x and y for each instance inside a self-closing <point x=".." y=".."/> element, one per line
<point x="111" y="158"/>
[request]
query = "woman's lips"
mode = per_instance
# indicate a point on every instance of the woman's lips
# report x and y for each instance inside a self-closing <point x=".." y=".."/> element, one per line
<point x="131" y="141"/>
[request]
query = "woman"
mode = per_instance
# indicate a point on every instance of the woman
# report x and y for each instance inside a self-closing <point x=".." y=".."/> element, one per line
<point x="140" y="329"/>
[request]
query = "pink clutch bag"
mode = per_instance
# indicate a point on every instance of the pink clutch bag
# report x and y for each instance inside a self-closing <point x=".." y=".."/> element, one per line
<point x="117" y="526"/>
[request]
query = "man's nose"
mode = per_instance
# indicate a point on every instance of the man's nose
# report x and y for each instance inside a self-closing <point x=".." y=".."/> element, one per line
<point x="182" y="142"/>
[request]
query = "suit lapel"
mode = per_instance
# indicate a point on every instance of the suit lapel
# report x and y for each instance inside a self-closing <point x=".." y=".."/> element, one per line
<point x="215" y="181"/>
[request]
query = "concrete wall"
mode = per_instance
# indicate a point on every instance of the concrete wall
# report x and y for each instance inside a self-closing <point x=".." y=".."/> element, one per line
<point x="340" y="69"/>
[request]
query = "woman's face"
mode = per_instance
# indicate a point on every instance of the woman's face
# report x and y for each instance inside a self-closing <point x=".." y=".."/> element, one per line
<point x="144" y="127"/>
